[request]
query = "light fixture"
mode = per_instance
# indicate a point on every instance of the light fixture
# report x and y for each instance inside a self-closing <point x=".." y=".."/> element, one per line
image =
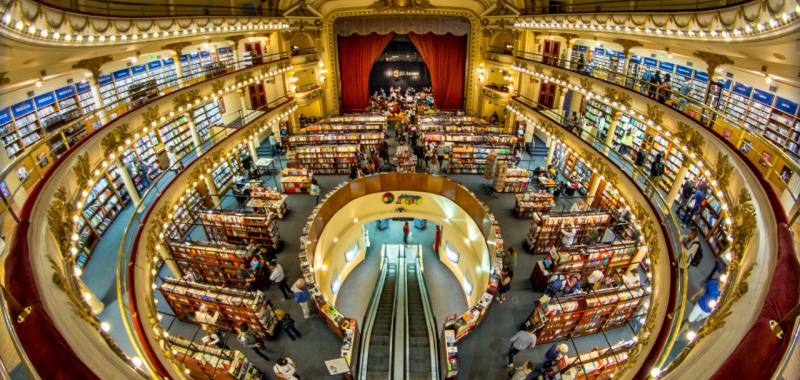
<point x="669" y="54"/>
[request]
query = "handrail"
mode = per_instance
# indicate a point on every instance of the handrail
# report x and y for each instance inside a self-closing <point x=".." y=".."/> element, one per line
<point x="25" y="362"/>
<point x="791" y="355"/>
<point x="706" y="117"/>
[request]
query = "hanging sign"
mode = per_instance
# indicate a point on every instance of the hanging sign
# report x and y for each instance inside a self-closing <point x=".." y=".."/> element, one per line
<point x="683" y="70"/>
<point x="154" y="64"/>
<point x="785" y="105"/>
<point x="742" y="89"/>
<point x="22" y="108"/>
<point x="44" y="100"/>
<point x="5" y="116"/>
<point x="83" y="87"/>
<point x="402" y="199"/>
<point x="65" y="92"/>
<point x="763" y="97"/>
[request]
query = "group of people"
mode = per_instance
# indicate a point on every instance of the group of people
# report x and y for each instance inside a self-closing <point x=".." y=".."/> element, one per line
<point x="657" y="87"/>
<point x="555" y="358"/>
<point x="397" y="102"/>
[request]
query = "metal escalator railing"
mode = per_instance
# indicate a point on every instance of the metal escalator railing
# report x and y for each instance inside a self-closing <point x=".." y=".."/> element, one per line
<point x="376" y="352"/>
<point x="421" y="360"/>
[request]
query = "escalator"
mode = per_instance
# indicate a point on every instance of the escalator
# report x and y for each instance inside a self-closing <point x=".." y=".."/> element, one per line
<point x="399" y="328"/>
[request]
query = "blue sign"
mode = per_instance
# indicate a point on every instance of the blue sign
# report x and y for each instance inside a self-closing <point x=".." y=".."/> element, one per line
<point x="666" y="66"/>
<point x="725" y="83"/>
<point x="169" y="61"/>
<point x="620" y="54"/>
<point x="742" y="89"/>
<point x="683" y="70"/>
<point x="22" y="108"/>
<point x="581" y="48"/>
<point x="154" y="65"/>
<point x="184" y="58"/>
<point x="785" y="105"/>
<point x="701" y="76"/>
<point x="5" y="116"/>
<point x="104" y="79"/>
<point x="44" y="100"/>
<point x="122" y="74"/>
<point x="636" y="59"/>
<point x="204" y="53"/>
<point x="65" y="92"/>
<point x="763" y="97"/>
<point x="224" y="50"/>
<point x="83" y="87"/>
<point x="650" y="61"/>
<point x="193" y="55"/>
<point x="138" y="69"/>
<point x="599" y="50"/>
<point x="611" y="53"/>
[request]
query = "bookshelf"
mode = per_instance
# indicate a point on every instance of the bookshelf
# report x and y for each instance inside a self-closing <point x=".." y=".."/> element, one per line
<point x="607" y="198"/>
<point x="471" y="159"/>
<point x="294" y="180"/>
<point x="360" y="138"/>
<point x="240" y="228"/>
<point x="512" y="180"/>
<point x="175" y="135"/>
<point x="576" y="171"/>
<point x="404" y="161"/>
<point x="529" y="203"/>
<point x="184" y="216"/>
<point x="210" y="362"/>
<point x="268" y="200"/>
<point x="214" y="263"/>
<point x="606" y="258"/>
<point x="582" y="313"/>
<point x="235" y="306"/>
<point x="599" y="363"/>
<point x="546" y="228"/>
<point x="325" y="159"/>
<point x="206" y="116"/>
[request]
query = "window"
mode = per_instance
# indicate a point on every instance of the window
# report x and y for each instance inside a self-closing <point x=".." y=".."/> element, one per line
<point x="351" y="254"/>
<point x="335" y="285"/>
<point x="451" y="253"/>
<point x="467" y="287"/>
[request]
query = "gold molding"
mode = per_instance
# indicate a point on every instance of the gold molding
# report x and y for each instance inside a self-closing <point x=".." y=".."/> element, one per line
<point x="93" y="65"/>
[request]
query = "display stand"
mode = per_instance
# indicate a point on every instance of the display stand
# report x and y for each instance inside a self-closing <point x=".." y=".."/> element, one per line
<point x="268" y="200"/>
<point x="240" y="228"/>
<point x="235" y="306"/>
<point x="295" y="180"/>
<point x="584" y="260"/>
<point x="214" y="263"/>
<point x="404" y="161"/>
<point x="529" y="203"/>
<point x="512" y="180"/>
<point x="210" y="362"/>
<point x="600" y="363"/>
<point x="582" y="313"/>
<point x="546" y="228"/>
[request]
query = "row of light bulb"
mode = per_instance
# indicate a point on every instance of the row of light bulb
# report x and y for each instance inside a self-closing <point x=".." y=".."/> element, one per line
<point x="41" y="33"/>
<point x="642" y="118"/>
<point x="753" y="29"/>
<point x="129" y="142"/>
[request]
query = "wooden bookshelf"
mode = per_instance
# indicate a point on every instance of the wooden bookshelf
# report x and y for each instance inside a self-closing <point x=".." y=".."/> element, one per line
<point x="268" y="200"/>
<point x="582" y="313"/>
<point x="235" y="306"/>
<point x="512" y="180"/>
<point x="468" y="159"/>
<point x="295" y="180"/>
<point x="361" y="138"/>
<point x="210" y="362"/>
<point x="214" y="263"/>
<point x="184" y="216"/>
<point x="529" y="203"/>
<point x="607" y="258"/>
<point x="325" y="159"/>
<point x="240" y="228"/>
<point x="546" y="234"/>
<point x="599" y="363"/>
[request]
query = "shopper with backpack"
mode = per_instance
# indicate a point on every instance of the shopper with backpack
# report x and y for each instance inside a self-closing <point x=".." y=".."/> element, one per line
<point x="691" y="247"/>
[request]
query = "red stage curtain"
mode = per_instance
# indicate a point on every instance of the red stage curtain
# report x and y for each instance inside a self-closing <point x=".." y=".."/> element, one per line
<point x="445" y="56"/>
<point x="356" y="56"/>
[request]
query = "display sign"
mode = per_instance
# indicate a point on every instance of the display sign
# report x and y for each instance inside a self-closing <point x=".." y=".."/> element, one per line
<point x="44" y="100"/>
<point x="104" y="79"/>
<point x="742" y="89"/>
<point x="763" y="97"/>
<point x="139" y="69"/>
<point x="154" y="65"/>
<point x="65" y="92"/>
<point x="169" y="61"/>
<point x="184" y="58"/>
<point x="683" y="70"/>
<point x="636" y="59"/>
<point x="701" y="76"/>
<point x="22" y="108"/>
<point x="122" y="74"/>
<point x="599" y="50"/>
<point x="193" y="55"/>
<point x="666" y="66"/>
<point x="402" y="199"/>
<point x="650" y="61"/>
<point x="5" y="115"/>
<point x="785" y="105"/>
<point x="204" y="54"/>
<point x="83" y="87"/>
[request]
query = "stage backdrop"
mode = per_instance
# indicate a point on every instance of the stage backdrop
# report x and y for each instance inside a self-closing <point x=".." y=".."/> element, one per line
<point x="356" y="56"/>
<point x="400" y="65"/>
<point x="445" y="56"/>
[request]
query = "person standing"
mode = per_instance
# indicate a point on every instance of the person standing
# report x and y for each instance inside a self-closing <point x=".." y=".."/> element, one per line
<point x="687" y="190"/>
<point x="213" y="337"/>
<point x="249" y="340"/>
<point x="301" y="297"/>
<point x="708" y="296"/>
<point x="277" y="276"/>
<point x="593" y="281"/>
<point x="554" y="354"/>
<point x="656" y="171"/>
<point x="141" y="170"/>
<point x="273" y="144"/>
<point x="434" y="167"/>
<point x="285" y="369"/>
<point x="665" y="89"/>
<point x="286" y="323"/>
<point x="314" y="190"/>
<point x="406" y="232"/>
<point x="510" y="262"/>
<point x="695" y="203"/>
<point x="521" y="341"/>
<point x="691" y="247"/>
<point x="504" y="287"/>
<point x="626" y="143"/>
<point x="522" y="372"/>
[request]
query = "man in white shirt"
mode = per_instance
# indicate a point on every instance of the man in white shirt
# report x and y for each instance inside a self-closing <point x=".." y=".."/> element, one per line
<point x="285" y="369"/>
<point x="521" y="341"/>
<point x="276" y="275"/>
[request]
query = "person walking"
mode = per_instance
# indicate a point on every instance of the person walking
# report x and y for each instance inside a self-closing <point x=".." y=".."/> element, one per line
<point x="694" y="205"/>
<point x="687" y="190"/>
<point x="141" y="170"/>
<point x="249" y="340"/>
<point x="691" y="247"/>
<point x="406" y="232"/>
<point x="656" y="171"/>
<point x="434" y="167"/>
<point x="277" y="276"/>
<point x="510" y="262"/>
<point x="521" y="341"/>
<point x="286" y="323"/>
<point x="302" y="297"/>
<point x="213" y="337"/>
<point x="314" y="190"/>
<point x="285" y="369"/>
<point x="273" y="144"/>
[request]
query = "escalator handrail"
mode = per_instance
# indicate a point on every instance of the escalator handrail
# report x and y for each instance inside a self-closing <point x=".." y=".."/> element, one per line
<point x="430" y="319"/>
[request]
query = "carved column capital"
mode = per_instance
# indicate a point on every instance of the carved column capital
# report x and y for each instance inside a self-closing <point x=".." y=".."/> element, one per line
<point x="93" y="65"/>
<point x="177" y="47"/>
<point x="713" y="60"/>
<point x="627" y="45"/>
<point x="568" y="36"/>
<point x="235" y="39"/>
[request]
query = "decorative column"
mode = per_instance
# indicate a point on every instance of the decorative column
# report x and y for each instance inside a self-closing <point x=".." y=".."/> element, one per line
<point x="675" y="189"/>
<point x="612" y="129"/>
<point x="570" y="38"/>
<point x="93" y="65"/>
<point x="198" y="144"/>
<point x="594" y="185"/>
<point x="242" y="102"/>
<point x="550" y="152"/>
<point x="98" y="101"/>
<point x="212" y="189"/>
<point x="177" y="47"/>
<point x="252" y="147"/>
<point x="168" y="260"/>
<point x="126" y="179"/>
<point x="235" y="39"/>
<point x="713" y="61"/>
<point x="627" y="45"/>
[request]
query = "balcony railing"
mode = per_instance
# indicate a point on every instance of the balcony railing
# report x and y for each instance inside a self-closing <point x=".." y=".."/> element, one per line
<point x="143" y="8"/>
